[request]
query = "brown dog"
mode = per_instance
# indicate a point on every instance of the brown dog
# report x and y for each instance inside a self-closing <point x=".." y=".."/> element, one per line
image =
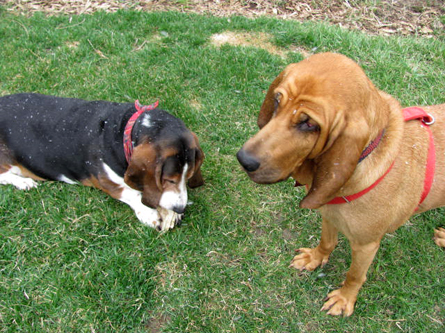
<point x="325" y="124"/>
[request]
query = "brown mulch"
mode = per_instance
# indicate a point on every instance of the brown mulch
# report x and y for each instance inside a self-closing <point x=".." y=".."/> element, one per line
<point x="384" y="17"/>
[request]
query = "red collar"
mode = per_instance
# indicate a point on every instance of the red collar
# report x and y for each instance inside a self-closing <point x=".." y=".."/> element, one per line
<point x="426" y="119"/>
<point x="128" y="143"/>
<point x="373" y="145"/>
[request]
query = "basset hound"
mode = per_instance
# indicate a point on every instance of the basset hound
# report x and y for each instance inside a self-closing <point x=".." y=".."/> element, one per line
<point x="140" y="155"/>
<point x="367" y="164"/>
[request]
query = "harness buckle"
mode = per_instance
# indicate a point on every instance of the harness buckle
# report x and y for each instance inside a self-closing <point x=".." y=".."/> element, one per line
<point x="430" y="122"/>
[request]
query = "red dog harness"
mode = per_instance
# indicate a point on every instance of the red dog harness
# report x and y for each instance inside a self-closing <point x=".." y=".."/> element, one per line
<point x="426" y="119"/>
<point x="128" y="142"/>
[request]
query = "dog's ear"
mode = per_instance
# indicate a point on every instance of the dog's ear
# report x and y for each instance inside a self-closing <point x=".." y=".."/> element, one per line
<point x="196" y="180"/>
<point x="144" y="174"/>
<point x="336" y="163"/>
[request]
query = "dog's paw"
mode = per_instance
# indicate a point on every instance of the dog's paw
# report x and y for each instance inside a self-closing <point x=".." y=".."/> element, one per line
<point x="339" y="302"/>
<point x="439" y="237"/>
<point x="19" y="182"/>
<point x="160" y="219"/>
<point x="149" y="216"/>
<point x="26" y="184"/>
<point x="169" y="218"/>
<point x="309" y="259"/>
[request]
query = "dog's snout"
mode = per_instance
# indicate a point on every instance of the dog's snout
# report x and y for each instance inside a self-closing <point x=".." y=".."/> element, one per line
<point x="179" y="209"/>
<point x="248" y="162"/>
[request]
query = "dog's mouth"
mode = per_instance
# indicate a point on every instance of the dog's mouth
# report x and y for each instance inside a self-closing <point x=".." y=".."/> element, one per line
<point x="266" y="177"/>
<point x="261" y="170"/>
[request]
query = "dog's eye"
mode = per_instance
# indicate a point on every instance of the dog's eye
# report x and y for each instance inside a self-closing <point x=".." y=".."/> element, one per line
<point x="306" y="124"/>
<point x="170" y="181"/>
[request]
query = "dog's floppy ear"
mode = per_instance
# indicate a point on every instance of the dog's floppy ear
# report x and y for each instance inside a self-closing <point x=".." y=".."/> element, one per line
<point x="337" y="161"/>
<point x="144" y="174"/>
<point x="196" y="180"/>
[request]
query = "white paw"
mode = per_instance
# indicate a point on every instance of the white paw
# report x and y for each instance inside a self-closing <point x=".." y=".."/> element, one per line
<point x="26" y="184"/>
<point x="148" y="216"/>
<point x="18" y="181"/>
<point x="161" y="219"/>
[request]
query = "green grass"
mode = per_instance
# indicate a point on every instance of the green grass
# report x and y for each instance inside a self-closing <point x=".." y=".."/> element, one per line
<point x="73" y="259"/>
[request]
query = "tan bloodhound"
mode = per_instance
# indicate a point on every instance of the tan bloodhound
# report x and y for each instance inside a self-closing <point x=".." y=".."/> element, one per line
<point x="367" y="164"/>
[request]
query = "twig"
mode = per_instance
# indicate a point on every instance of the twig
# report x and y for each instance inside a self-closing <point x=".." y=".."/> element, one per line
<point x="26" y="30"/>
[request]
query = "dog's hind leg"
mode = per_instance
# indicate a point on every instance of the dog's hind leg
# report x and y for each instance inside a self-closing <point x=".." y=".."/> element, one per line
<point x="12" y="175"/>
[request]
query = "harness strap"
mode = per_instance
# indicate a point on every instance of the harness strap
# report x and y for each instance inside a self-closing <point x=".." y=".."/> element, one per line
<point x="426" y="119"/>
<point x="352" y="197"/>
<point x="127" y="140"/>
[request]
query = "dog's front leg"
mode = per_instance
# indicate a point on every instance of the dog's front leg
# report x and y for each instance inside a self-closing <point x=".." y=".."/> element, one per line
<point x="145" y="214"/>
<point x="342" y="301"/>
<point x="161" y="219"/>
<point x="114" y="185"/>
<point x="310" y="259"/>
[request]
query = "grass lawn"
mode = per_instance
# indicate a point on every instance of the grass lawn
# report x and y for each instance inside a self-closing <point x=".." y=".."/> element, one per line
<point x="73" y="259"/>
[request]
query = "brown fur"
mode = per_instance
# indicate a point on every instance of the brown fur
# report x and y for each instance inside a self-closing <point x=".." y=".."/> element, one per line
<point x="335" y="94"/>
<point x="145" y="169"/>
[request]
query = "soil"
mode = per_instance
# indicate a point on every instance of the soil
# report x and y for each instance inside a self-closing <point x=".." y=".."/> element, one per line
<point x="424" y="18"/>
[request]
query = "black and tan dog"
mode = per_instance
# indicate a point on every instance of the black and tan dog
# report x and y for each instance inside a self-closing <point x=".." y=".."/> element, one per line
<point x="367" y="163"/>
<point x="140" y="155"/>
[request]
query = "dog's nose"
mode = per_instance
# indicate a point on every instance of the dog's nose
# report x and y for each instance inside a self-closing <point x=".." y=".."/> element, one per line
<point x="179" y="209"/>
<point x="247" y="161"/>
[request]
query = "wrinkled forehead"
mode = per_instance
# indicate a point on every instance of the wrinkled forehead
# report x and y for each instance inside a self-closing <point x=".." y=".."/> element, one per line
<point x="320" y="78"/>
<point x="289" y="78"/>
<point x="296" y="82"/>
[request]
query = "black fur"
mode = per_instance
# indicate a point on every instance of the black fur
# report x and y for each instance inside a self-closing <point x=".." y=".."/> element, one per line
<point x="54" y="136"/>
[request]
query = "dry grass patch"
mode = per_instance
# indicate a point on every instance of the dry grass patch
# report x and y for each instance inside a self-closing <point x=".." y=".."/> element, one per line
<point x="383" y="17"/>
<point x="196" y="105"/>
<point x="259" y="40"/>
<point x="140" y="44"/>
<point x="72" y="45"/>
